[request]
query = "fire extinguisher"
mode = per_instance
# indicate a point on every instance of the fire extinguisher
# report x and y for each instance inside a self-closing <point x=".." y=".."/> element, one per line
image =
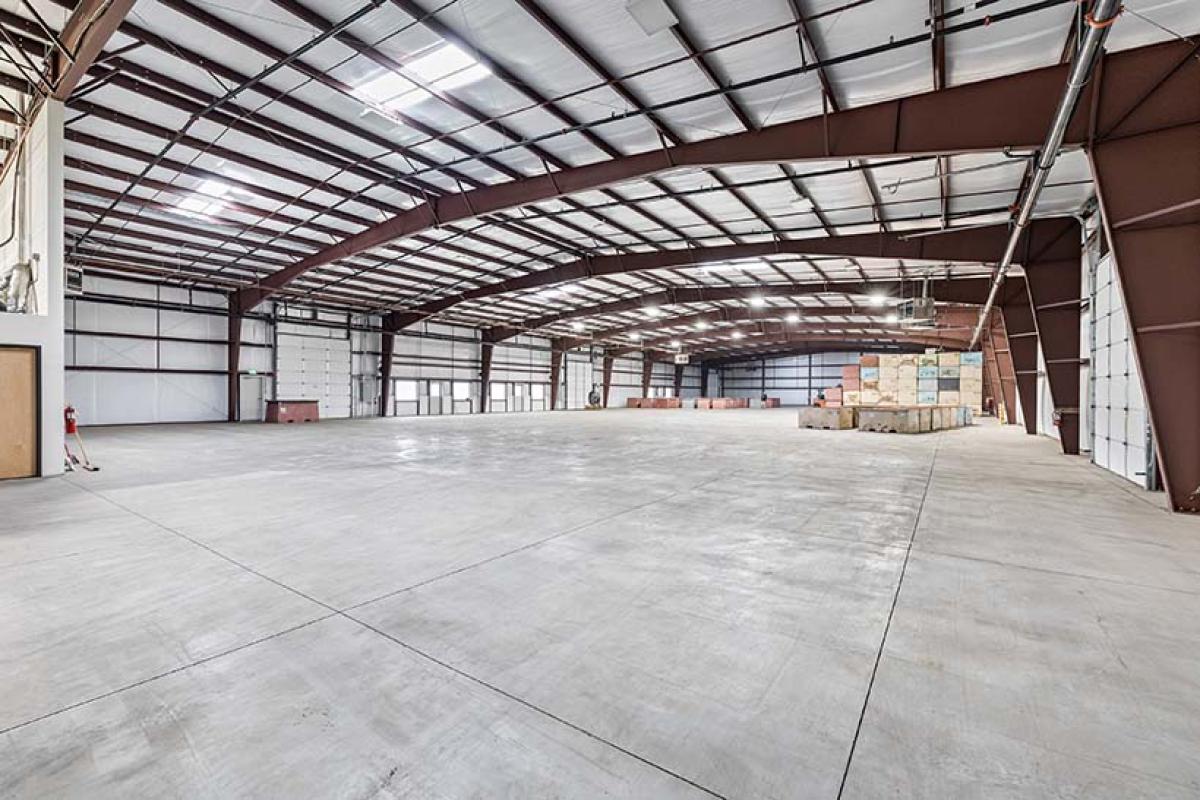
<point x="69" y="420"/>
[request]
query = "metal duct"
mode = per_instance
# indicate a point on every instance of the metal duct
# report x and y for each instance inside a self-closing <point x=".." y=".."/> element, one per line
<point x="1099" y="21"/>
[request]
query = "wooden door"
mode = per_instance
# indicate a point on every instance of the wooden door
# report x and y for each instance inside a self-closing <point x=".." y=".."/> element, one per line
<point x="18" y="412"/>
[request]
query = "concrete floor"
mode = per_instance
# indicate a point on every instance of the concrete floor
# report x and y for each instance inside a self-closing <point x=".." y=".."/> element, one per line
<point x="642" y="604"/>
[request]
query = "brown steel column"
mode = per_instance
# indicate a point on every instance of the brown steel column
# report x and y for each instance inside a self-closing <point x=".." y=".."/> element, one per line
<point x="233" y="360"/>
<point x="485" y="375"/>
<point x="1023" y="347"/>
<point x="1006" y="375"/>
<point x="556" y="361"/>
<point x="1055" y="285"/>
<point x="704" y="380"/>
<point x="678" y="379"/>
<point x="647" y="371"/>
<point x="385" y="373"/>
<point x="607" y="363"/>
<point x="1146" y="159"/>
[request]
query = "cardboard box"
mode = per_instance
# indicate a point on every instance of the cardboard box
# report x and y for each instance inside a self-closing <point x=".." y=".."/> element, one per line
<point x="868" y="361"/>
<point x="948" y="398"/>
<point x="851" y="385"/>
<point x="927" y="385"/>
<point x="851" y="397"/>
<point x="927" y="360"/>
<point x="870" y="373"/>
<point x="948" y="359"/>
<point x="927" y="398"/>
<point x="971" y="371"/>
<point x="948" y="384"/>
<point x="907" y="371"/>
<point x="974" y="358"/>
<point x="947" y="372"/>
<point x="870" y="397"/>
<point x="833" y="393"/>
<point x="850" y="372"/>
<point x="889" y="360"/>
<point x="908" y="359"/>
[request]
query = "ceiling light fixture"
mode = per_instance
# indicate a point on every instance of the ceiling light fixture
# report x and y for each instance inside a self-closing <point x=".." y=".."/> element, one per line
<point x="701" y="325"/>
<point x="676" y="343"/>
<point x="576" y="326"/>
<point x="652" y="311"/>
<point x="737" y="335"/>
<point x="878" y="299"/>
<point x="793" y="317"/>
<point x="637" y="337"/>
<point x="757" y="301"/>
<point x="891" y="319"/>
<point x="652" y="16"/>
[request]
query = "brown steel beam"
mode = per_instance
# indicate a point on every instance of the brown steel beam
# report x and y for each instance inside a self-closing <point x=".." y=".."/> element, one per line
<point x="971" y="245"/>
<point x="757" y="345"/>
<point x="1146" y="159"/>
<point x="962" y="290"/>
<point x="87" y="30"/>
<point x="1006" y="374"/>
<point x="1012" y="111"/>
<point x="647" y="373"/>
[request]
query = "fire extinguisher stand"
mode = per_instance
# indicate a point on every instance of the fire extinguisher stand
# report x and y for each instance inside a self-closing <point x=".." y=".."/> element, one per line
<point x="72" y="429"/>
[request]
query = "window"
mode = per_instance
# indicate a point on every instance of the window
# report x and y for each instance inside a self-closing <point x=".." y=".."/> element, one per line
<point x="406" y="390"/>
<point x="462" y="390"/>
<point x="435" y="389"/>
<point x="537" y="392"/>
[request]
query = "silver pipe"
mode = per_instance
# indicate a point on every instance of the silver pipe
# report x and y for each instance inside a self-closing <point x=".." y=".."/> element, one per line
<point x="1104" y="12"/>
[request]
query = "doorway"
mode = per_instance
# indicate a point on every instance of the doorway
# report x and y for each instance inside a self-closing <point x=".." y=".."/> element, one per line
<point x="19" y="397"/>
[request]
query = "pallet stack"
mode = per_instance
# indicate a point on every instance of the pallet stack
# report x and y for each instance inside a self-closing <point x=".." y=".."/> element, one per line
<point x="870" y="380"/>
<point x="970" y="380"/>
<point x="900" y="380"/>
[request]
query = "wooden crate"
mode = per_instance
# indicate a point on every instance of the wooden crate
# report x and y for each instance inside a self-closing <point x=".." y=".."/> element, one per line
<point x="829" y="418"/>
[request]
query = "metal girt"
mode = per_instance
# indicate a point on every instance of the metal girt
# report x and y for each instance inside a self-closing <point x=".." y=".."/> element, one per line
<point x="84" y="35"/>
<point x="757" y="345"/>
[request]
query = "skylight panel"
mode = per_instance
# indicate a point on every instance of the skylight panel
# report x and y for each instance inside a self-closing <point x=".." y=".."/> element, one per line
<point x="444" y="68"/>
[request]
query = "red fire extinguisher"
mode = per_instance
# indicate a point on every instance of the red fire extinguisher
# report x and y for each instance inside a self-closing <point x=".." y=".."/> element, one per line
<point x="69" y="420"/>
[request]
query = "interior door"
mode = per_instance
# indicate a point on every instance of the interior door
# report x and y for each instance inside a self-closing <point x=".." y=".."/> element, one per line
<point x="252" y="402"/>
<point x="19" y="420"/>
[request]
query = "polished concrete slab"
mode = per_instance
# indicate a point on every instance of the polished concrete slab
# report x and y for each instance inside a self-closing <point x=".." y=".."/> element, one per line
<point x="626" y="604"/>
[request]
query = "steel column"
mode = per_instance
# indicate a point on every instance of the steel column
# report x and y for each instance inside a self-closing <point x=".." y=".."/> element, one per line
<point x="1006" y="374"/>
<point x="1023" y="347"/>
<point x="607" y="370"/>
<point x="1147" y="168"/>
<point x="385" y="372"/>
<point x="678" y="379"/>
<point x="556" y="362"/>
<point x="485" y="375"/>
<point x="233" y="360"/>
<point x="1054" y="284"/>
<point x="647" y="372"/>
<point x="90" y="26"/>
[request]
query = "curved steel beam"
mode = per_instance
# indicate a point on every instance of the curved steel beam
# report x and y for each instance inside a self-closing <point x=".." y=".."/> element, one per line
<point x="1013" y="111"/>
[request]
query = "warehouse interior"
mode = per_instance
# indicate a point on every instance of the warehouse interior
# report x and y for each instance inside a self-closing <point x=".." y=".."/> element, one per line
<point x="432" y="398"/>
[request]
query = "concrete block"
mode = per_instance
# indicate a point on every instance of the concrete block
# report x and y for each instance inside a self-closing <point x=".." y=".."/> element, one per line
<point x="831" y="419"/>
<point x="889" y="420"/>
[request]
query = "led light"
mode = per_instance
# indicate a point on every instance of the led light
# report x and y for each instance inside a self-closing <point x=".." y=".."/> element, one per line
<point x="737" y="335"/>
<point x="652" y="311"/>
<point x="793" y="317"/>
<point x="701" y="325"/>
<point x="214" y="188"/>
<point x="891" y="318"/>
<point x="878" y="299"/>
<point x="576" y="326"/>
<point x="637" y="337"/>
<point x="676" y="343"/>
<point x="757" y="302"/>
